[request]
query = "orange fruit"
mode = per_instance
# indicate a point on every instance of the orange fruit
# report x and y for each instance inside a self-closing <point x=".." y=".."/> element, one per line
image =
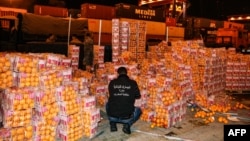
<point x="22" y="101"/>
<point x="28" y="134"/>
<point x="25" y="106"/>
<point x="33" y="70"/>
<point x="28" y="70"/>
<point x="32" y="104"/>
<point x="22" y="118"/>
<point x="1" y="64"/>
<point x="20" y="137"/>
<point x="14" y="138"/>
<point x="21" y="69"/>
<point x="7" y="64"/>
<point x="27" y="83"/>
<point x="19" y="131"/>
<point x="31" y="64"/>
<point x="2" y="59"/>
<point x="13" y="132"/>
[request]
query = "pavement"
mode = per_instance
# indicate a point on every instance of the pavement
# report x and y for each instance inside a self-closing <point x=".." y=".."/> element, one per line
<point x="190" y="129"/>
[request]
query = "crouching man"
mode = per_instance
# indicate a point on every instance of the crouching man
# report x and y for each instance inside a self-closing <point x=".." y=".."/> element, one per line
<point x="120" y="108"/>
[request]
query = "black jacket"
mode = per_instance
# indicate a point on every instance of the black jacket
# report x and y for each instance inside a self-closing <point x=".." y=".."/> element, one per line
<point x="122" y="94"/>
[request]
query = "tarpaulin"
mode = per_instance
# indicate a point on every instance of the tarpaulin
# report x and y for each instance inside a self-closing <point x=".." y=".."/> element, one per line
<point x="44" y="25"/>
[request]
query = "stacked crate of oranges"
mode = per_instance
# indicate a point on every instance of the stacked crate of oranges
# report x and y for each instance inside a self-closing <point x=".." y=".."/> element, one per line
<point x="6" y="77"/>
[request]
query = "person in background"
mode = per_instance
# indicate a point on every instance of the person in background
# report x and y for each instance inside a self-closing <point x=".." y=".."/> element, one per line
<point x="85" y="29"/>
<point x="88" y="57"/>
<point x="51" y="39"/>
<point x="120" y="108"/>
<point x="75" y="40"/>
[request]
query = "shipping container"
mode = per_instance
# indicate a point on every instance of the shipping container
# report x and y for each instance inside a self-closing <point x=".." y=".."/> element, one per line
<point x="207" y="23"/>
<point x="104" y="40"/>
<point x="51" y="11"/>
<point x="94" y="25"/>
<point x="155" y="38"/>
<point x="9" y="14"/>
<point x="96" y="11"/>
<point x="139" y="13"/>
<point x="156" y="28"/>
<point x="201" y="22"/>
<point x="74" y="13"/>
<point x="7" y="11"/>
<point x="175" y="32"/>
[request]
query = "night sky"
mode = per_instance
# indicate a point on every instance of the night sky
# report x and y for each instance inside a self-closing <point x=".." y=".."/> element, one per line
<point x="218" y="9"/>
<point x="213" y="9"/>
<point x="75" y="4"/>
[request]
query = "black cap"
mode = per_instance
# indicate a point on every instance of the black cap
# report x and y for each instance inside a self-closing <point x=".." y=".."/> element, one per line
<point x="122" y="70"/>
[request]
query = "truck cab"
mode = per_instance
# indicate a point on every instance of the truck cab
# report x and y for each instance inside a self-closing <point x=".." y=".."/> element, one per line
<point x="238" y="38"/>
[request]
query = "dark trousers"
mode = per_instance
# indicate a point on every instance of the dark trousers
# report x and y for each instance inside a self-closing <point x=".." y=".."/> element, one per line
<point x="126" y="120"/>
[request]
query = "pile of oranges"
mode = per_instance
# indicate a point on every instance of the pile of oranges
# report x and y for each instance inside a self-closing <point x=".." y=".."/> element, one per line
<point x="48" y="112"/>
<point x="6" y="77"/>
<point x="50" y="78"/>
<point x="45" y="96"/>
<point x="22" y="133"/>
<point x="168" y="98"/>
<point x="90" y="116"/>
<point x="223" y="120"/>
<point x="147" y="114"/>
<point x="71" y="121"/>
<point x="18" y="118"/>
<point x="201" y="99"/>
<point x="65" y="93"/>
<point x="82" y="83"/>
<point x="207" y="117"/>
<point x="71" y="134"/>
<point x="239" y="105"/>
<point x="26" y="64"/>
<point x="69" y="107"/>
<point x="27" y="79"/>
<point x="19" y="98"/>
<point x="45" y="132"/>
<point x="101" y="99"/>
<point x="88" y="102"/>
<point x="203" y="114"/>
<point x="161" y="117"/>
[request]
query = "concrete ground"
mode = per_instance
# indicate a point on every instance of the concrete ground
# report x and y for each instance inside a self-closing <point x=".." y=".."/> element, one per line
<point x="190" y="129"/>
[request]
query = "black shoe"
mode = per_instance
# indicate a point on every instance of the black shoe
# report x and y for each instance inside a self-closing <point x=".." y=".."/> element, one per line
<point x="113" y="127"/>
<point x="126" y="129"/>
